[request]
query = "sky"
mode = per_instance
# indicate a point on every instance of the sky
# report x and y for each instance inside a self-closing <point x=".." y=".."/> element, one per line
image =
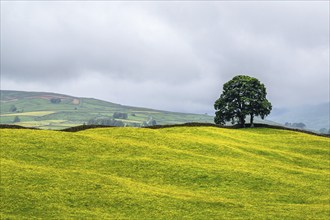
<point x="165" y="55"/>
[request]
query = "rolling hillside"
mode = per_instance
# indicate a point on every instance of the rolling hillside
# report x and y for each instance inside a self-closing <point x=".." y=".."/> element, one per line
<point x="170" y="173"/>
<point x="35" y="109"/>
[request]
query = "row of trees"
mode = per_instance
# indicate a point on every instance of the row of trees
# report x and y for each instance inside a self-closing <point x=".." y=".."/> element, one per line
<point x="324" y="131"/>
<point x="55" y="100"/>
<point x="105" y="121"/>
<point x="113" y="122"/>
<point x="150" y="122"/>
<point x="295" y="125"/>
<point x="120" y="115"/>
<point x="13" y="109"/>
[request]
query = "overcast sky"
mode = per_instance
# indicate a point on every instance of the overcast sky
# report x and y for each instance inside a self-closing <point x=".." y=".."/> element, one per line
<point x="166" y="55"/>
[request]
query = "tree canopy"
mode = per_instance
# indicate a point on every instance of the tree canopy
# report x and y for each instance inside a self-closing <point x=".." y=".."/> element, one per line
<point x="12" y="108"/>
<point x="242" y="96"/>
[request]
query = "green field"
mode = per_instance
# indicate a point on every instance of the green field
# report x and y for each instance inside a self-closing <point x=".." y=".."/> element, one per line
<point x="170" y="173"/>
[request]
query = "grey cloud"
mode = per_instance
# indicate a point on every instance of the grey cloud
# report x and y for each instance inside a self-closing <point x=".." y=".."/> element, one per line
<point x="127" y="44"/>
<point x="179" y="52"/>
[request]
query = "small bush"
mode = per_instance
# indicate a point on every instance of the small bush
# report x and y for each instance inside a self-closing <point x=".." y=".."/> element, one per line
<point x="16" y="119"/>
<point x="55" y="100"/>
<point x="120" y="115"/>
<point x="12" y="108"/>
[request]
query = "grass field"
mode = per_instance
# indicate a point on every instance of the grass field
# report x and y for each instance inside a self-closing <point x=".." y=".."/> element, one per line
<point x="38" y="113"/>
<point x="170" y="173"/>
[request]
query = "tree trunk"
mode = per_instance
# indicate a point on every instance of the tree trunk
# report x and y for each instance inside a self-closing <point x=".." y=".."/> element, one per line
<point x="251" y="121"/>
<point x="242" y="121"/>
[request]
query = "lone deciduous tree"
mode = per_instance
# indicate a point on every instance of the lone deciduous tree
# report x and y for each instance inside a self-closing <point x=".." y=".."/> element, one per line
<point x="242" y="96"/>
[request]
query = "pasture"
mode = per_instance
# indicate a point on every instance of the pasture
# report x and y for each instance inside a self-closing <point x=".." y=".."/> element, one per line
<point x="169" y="173"/>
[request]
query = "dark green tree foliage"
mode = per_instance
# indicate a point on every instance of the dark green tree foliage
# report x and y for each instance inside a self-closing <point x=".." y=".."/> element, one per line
<point x="12" y="108"/>
<point x="134" y="124"/>
<point x="120" y="115"/>
<point x="152" y="122"/>
<point x="324" y="131"/>
<point x="105" y="121"/>
<point x="295" y="125"/>
<point x="144" y="124"/>
<point x="55" y="100"/>
<point x="242" y="96"/>
<point x="16" y="119"/>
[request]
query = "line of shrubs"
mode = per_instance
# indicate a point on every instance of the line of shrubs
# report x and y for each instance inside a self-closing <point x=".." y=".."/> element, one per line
<point x="196" y="124"/>
<point x="106" y="121"/>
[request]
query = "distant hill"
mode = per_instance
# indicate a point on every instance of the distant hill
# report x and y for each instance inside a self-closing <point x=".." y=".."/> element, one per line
<point x="57" y="111"/>
<point x="315" y="117"/>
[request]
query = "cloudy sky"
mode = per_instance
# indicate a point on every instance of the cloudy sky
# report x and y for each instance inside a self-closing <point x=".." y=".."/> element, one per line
<point x="166" y="55"/>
